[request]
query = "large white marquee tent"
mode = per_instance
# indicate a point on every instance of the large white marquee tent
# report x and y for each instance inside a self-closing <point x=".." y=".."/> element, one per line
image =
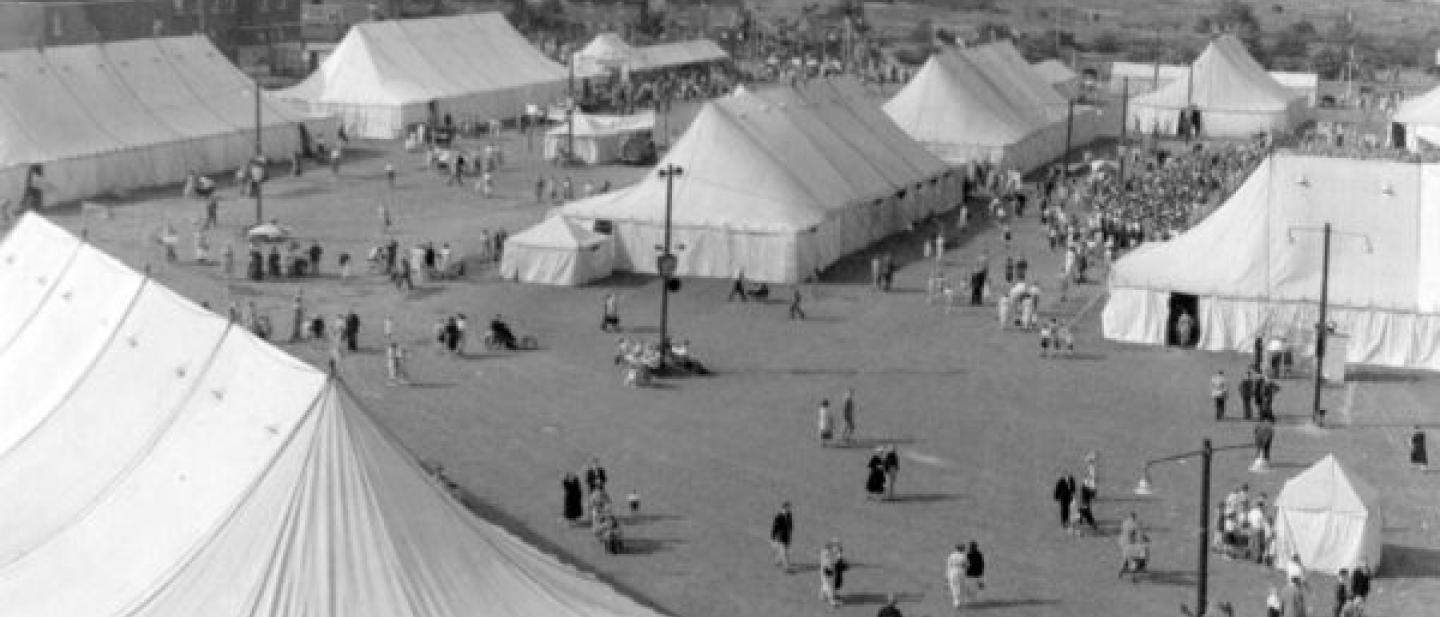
<point x="1235" y="96"/>
<point x="111" y="117"/>
<point x="1421" y="118"/>
<point x="385" y="75"/>
<point x="987" y="103"/>
<point x="778" y="184"/>
<point x="1330" y="518"/>
<point x="161" y="461"/>
<point x="1253" y="267"/>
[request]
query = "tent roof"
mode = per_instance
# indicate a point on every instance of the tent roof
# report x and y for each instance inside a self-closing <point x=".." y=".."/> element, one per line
<point x="1054" y="71"/>
<point x="1397" y="268"/>
<point x="1326" y="486"/>
<point x="774" y="161"/>
<point x="1146" y="70"/>
<point x="557" y="232"/>
<point x="676" y="54"/>
<point x="1423" y="109"/>
<point x="73" y="101"/>
<point x="1017" y="82"/>
<point x="1224" y="78"/>
<point x="607" y="46"/>
<point x="228" y="477"/>
<point x="599" y="124"/>
<point x="950" y="101"/>
<point x="404" y="61"/>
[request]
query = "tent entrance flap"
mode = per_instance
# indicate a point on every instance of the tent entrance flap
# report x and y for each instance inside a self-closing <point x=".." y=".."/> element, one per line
<point x="1182" y="327"/>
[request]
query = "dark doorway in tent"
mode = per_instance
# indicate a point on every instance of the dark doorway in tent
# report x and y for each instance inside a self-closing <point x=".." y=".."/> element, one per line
<point x="1397" y="135"/>
<point x="1182" y="327"/>
<point x="1197" y="123"/>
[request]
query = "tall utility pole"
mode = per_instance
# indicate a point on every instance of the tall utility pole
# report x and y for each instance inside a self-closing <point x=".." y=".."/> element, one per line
<point x="1202" y="568"/>
<point x="665" y="264"/>
<point x="1069" y="132"/>
<point x="1320" y="330"/>
<point x="570" y="111"/>
<point x="1124" y="127"/>
<point x="257" y="166"/>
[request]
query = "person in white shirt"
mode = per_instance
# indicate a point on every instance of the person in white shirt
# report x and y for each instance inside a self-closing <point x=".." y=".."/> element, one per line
<point x="955" y="575"/>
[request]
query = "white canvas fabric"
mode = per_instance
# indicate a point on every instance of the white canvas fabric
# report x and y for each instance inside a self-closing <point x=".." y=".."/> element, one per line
<point x="1236" y="97"/>
<point x="384" y="75"/>
<point x="1142" y="76"/>
<point x="1060" y="77"/>
<point x="779" y="184"/>
<point x="598" y="138"/>
<point x="1304" y="85"/>
<point x="1421" y="117"/>
<point x="168" y="463"/>
<point x="32" y="262"/>
<point x="1330" y="518"/>
<point x="557" y="251"/>
<point x="606" y="52"/>
<point x="116" y="116"/>
<point x="1256" y="273"/>
<point x="986" y="103"/>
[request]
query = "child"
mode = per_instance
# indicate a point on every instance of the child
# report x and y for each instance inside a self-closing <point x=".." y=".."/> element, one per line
<point x="1272" y="603"/>
<point x="1064" y="338"/>
<point x="1046" y="333"/>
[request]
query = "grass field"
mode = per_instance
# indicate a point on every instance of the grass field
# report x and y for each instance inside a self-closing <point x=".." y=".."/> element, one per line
<point x="983" y="423"/>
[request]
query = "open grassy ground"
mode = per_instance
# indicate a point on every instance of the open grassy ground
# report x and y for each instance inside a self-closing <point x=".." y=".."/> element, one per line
<point x="983" y="423"/>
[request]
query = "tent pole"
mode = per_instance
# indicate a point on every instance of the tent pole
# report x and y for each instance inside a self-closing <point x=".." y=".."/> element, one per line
<point x="254" y="173"/>
<point x="1202" y="569"/>
<point x="1316" y="414"/>
<point x="1069" y="131"/>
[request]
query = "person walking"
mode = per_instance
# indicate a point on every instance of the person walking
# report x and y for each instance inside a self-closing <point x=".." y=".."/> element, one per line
<point x="1418" y="456"/>
<point x="875" y="480"/>
<point x="889" y="609"/>
<point x="610" y="313"/>
<point x="974" y="571"/>
<point x="1342" y="591"/>
<point x="595" y="476"/>
<point x="352" y="331"/>
<point x="297" y="317"/>
<point x="1218" y="392"/>
<point x="847" y="416"/>
<point x="825" y="423"/>
<point x="832" y="567"/>
<point x="1064" y="494"/>
<point x="1292" y="599"/>
<point x="891" y="463"/>
<point x="1247" y="393"/>
<point x="574" y="505"/>
<point x="782" y="529"/>
<point x="738" y="288"/>
<point x="795" y="311"/>
<point x="1264" y="437"/>
<point x="955" y="575"/>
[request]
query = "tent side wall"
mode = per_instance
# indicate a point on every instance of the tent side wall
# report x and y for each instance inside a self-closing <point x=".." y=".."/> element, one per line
<point x="716" y="252"/>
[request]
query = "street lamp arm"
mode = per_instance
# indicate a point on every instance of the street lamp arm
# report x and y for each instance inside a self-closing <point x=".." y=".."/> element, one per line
<point x="1195" y="453"/>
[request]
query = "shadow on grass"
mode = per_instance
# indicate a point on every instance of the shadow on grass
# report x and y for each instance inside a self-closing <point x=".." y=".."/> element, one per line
<point x="645" y="519"/>
<point x="1176" y="578"/>
<point x="1409" y="562"/>
<point x="924" y="497"/>
<point x="861" y="598"/>
<point x="867" y="443"/>
<point x="648" y="546"/>
<point x="1012" y="603"/>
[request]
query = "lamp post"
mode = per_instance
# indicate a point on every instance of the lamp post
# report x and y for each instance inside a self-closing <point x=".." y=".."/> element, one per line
<point x="1069" y="133"/>
<point x="257" y="170"/>
<point x="666" y="262"/>
<point x="1202" y="565"/>
<point x="1322" y="331"/>
<point x="1124" y="128"/>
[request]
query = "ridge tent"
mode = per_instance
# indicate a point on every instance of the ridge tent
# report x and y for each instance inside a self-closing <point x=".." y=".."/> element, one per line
<point x="771" y="186"/>
<point x="606" y="52"/>
<point x="159" y="461"/>
<point x="117" y="116"/>
<point x="953" y="110"/>
<point x="598" y="138"/>
<point x="1060" y="77"/>
<point x="386" y="75"/>
<point x="557" y="252"/>
<point x="1235" y="96"/>
<point x="1250" y="274"/>
<point x="1330" y="518"/>
<point x="1420" y="118"/>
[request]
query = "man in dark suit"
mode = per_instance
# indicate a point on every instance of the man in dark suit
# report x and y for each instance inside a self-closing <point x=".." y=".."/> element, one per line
<point x="1267" y="398"/>
<point x="781" y="529"/>
<point x="1247" y="393"/>
<point x="595" y="476"/>
<point x="1264" y="435"/>
<point x="1064" y="494"/>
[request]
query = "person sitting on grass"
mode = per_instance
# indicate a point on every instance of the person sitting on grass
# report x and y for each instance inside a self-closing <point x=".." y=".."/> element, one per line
<point x="501" y="335"/>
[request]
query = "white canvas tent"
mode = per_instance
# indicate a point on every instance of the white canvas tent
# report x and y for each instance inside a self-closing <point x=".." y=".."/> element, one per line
<point x="780" y="184"/>
<point x="1330" y="518"/>
<point x="1235" y="96"/>
<point x="987" y="104"/>
<point x="1251" y="273"/>
<point x="1421" y="118"/>
<point x="1060" y="77"/>
<point x="1143" y="76"/>
<point x="598" y="138"/>
<point x="385" y="75"/>
<point x="160" y="461"/>
<point x="604" y="53"/>
<point x="1301" y="84"/>
<point x="557" y="251"/>
<point x="117" y="116"/>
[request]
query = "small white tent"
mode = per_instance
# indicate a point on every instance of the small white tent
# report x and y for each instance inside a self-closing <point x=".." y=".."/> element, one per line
<point x="606" y="52"/>
<point x="1328" y="517"/>
<point x="598" y="138"/>
<point x="162" y="461"/>
<point x="386" y="74"/>
<point x="1060" y="77"/>
<point x="1235" y="96"/>
<point x="557" y="251"/>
